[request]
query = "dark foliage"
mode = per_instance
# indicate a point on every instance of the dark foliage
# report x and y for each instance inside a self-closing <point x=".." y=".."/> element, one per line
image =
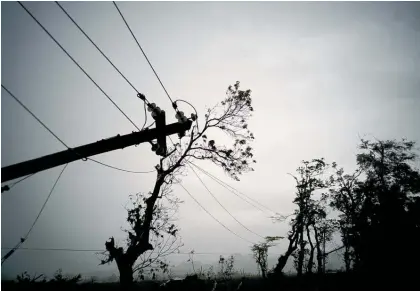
<point x="378" y="209"/>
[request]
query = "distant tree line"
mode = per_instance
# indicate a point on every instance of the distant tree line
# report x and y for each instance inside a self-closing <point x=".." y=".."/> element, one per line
<point x="376" y="210"/>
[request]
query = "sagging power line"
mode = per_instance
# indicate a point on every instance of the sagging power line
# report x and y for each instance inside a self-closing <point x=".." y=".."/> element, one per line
<point x="221" y="205"/>
<point x="98" y="250"/>
<point x="214" y="218"/>
<point x="234" y="191"/>
<point x="8" y="187"/>
<point x="23" y="239"/>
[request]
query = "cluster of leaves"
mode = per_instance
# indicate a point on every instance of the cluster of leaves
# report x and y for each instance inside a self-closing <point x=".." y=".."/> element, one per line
<point x="231" y="117"/>
<point x="163" y="222"/>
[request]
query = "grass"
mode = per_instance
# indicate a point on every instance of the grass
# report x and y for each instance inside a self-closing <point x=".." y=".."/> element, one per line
<point x="338" y="281"/>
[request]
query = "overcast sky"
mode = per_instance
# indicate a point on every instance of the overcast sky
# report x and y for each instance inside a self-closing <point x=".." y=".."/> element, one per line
<point x="321" y="75"/>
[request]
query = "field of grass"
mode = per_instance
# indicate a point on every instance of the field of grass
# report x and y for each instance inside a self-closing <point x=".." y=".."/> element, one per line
<point x="328" y="282"/>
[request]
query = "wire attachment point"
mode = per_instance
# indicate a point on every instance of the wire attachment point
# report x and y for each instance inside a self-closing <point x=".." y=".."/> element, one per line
<point x="141" y="96"/>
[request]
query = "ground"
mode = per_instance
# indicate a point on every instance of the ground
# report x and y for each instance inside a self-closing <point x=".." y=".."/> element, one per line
<point x="329" y="282"/>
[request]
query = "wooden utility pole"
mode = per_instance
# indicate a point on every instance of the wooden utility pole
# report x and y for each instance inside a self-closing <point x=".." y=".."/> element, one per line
<point x="110" y="144"/>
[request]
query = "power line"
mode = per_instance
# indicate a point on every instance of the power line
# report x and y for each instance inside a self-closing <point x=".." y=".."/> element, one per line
<point x="45" y="203"/>
<point x="334" y="250"/>
<point x="33" y="115"/>
<point x="218" y="221"/>
<point x="232" y="190"/>
<point x="76" y="63"/>
<point x="94" y="44"/>
<point x="220" y="182"/>
<point x="103" y="54"/>
<point x="97" y="250"/>
<point x="217" y="200"/>
<point x="196" y="113"/>
<point x="181" y="100"/>
<point x="174" y="105"/>
<point x="62" y="142"/>
<point x="56" y="249"/>
<point x="145" y="114"/>
<point x="120" y="169"/>
<point x="144" y="54"/>
<point x="8" y="187"/>
<point x="22" y="240"/>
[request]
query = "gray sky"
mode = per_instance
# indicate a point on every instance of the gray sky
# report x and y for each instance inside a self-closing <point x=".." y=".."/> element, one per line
<point x="320" y="73"/>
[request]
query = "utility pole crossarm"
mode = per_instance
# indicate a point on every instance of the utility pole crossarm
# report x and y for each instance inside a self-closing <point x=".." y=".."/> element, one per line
<point x="117" y="142"/>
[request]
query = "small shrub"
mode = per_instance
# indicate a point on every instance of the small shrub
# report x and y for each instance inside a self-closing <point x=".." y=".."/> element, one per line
<point x="226" y="267"/>
<point x="26" y="278"/>
<point x="60" y="278"/>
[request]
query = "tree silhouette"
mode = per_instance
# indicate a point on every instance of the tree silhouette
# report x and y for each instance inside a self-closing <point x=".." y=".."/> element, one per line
<point x="164" y="234"/>
<point x="308" y="180"/>
<point x="229" y="116"/>
<point x="323" y="231"/>
<point x="378" y="206"/>
<point x="390" y="190"/>
<point x="260" y="253"/>
<point x="348" y="200"/>
<point x="292" y="236"/>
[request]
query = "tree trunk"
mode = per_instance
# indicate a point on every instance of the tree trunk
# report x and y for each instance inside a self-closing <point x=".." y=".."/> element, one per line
<point x="319" y="253"/>
<point x="125" y="261"/>
<point x="126" y="274"/>
<point x="346" y="243"/>
<point x="282" y="261"/>
<point x="301" y="256"/>
<point x="263" y="273"/>
<point x="324" y="257"/>
<point x="311" y="255"/>
<point x="347" y="260"/>
<point x="262" y="262"/>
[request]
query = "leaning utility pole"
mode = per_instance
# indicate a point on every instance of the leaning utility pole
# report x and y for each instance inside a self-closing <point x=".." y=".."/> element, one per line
<point x="117" y="142"/>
